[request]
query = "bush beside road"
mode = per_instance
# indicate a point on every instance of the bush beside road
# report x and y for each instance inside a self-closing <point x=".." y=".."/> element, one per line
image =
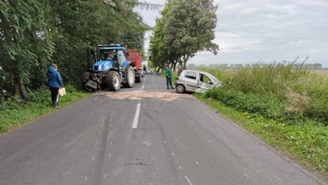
<point x="285" y="107"/>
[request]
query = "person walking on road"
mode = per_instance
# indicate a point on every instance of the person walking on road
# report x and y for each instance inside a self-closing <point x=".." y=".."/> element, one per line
<point x="169" y="77"/>
<point x="54" y="83"/>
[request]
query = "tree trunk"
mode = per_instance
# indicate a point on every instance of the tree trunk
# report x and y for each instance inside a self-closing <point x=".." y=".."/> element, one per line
<point x="184" y="64"/>
<point x="20" y="89"/>
<point x="185" y="59"/>
<point x="90" y="58"/>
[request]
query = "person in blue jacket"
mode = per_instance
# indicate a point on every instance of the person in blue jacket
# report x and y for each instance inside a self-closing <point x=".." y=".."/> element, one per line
<point x="54" y="83"/>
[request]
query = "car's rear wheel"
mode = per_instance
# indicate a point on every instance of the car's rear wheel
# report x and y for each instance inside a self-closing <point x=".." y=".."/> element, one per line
<point x="180" y="88"/>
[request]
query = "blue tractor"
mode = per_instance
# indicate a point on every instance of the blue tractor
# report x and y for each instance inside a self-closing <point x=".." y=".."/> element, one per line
<point x="111" y="69"/>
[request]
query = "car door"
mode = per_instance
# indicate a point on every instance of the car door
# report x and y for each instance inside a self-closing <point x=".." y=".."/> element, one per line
<point x="191" y="80"/>
<point x="204" y="82"/>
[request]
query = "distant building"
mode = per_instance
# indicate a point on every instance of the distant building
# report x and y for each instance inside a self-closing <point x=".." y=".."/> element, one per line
<point x="191" y="66"/>
<point x="203" y="66"/>
<point x="214" y="66"/>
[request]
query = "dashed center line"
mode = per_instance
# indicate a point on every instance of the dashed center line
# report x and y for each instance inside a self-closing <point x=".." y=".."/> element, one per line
<point x="143" y="86"/>
<point x="136" y="116"/>
<point x="246" y="175"/>
<point x="277" y="178"/>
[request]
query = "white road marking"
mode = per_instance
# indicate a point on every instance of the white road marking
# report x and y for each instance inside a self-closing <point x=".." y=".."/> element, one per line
<point x="143" y="86"/>
<point x="188" y="180"/>
<point x="164" y="141"/>
<point x="93" y="157"/>
<point x="172" y="153"/>
<point x="136" y="117"/>
<point x="99" y="133"/>
<point x="85" y="178"/>
<point x="110" y="155"/>
<point x="180" y="167"/>
<point x="277" y="178"/>
<point x="105" y="176"/>
<point x="228" y="158"/>
<point x="110" y="143"/>
<point x="246" y="175"/>
<point x="96" y="144"/>
<point x="197" y="162"/>
<point x="186" y="148"/>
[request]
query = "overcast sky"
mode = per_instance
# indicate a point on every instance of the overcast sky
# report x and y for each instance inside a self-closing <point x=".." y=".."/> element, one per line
<point x="250" y="30"/>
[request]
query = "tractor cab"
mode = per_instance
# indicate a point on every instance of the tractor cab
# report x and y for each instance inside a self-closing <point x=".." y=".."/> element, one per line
<point x="109" y="57"/>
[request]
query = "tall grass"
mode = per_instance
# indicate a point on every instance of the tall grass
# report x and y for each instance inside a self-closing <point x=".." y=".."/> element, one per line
<point x="285" y="105"/>
<point x="272" y="80"/>
<point x="296" y="89"/>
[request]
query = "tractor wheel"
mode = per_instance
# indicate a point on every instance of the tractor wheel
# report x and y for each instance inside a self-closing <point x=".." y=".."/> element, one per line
<point x="138" y="79"/>
<point x="112" y="81"/>
<point x="130" y="75"/>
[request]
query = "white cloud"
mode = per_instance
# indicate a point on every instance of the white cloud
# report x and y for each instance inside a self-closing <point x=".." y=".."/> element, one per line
<point x="250" y="30"/>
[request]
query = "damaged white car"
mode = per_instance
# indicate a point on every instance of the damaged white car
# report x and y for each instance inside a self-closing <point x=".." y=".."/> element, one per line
<point x="196" y="81"/>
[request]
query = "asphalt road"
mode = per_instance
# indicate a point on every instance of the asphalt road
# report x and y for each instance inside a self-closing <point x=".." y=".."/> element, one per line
<point x="146" y="135"/>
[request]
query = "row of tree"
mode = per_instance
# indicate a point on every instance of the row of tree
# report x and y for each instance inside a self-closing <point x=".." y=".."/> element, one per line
<point x="36" y="33"/>
<point x="185" y="28"/>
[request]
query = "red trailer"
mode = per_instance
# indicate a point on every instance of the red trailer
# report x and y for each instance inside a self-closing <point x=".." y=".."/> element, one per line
<point x="135" y="57"/>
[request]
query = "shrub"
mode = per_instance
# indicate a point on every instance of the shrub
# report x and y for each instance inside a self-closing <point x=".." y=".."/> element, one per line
<point x="249" y="102"/>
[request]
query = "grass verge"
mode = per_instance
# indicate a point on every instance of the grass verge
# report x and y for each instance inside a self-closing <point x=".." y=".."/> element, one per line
<point x="304" y="142"/>
<point x="15" y="113"/>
